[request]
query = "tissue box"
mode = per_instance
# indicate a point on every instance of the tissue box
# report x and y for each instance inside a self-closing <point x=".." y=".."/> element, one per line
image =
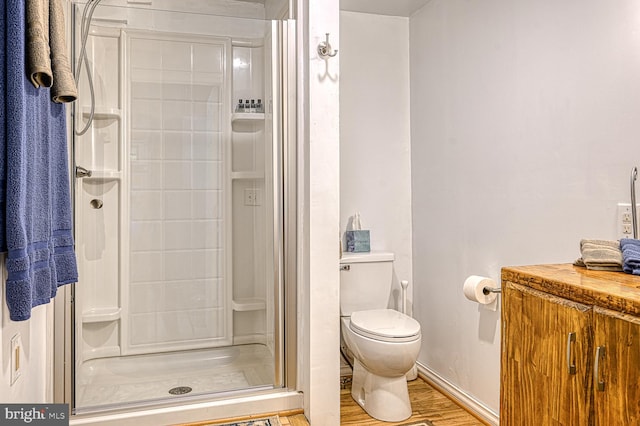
<point x="358" y="241"/>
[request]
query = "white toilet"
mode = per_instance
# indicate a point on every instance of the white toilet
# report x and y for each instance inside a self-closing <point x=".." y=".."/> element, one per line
<point x="384" y="342"/>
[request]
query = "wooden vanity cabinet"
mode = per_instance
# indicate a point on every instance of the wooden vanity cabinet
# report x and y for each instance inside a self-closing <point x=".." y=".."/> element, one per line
<point x="546" y="374"/>
<point x="568" y="358"/>
<point x="617" y="379"/>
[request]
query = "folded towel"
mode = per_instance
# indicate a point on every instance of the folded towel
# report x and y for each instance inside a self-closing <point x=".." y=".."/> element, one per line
<point x="38" y="234"/>
<point x="64" y="86"/>
<point x="38" y="52"/>
<point x="631" y="255"/>
<point x="601" y="255"/>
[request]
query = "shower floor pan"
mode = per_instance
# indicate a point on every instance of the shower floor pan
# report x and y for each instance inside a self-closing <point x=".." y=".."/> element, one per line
<point x="130" y="379"/>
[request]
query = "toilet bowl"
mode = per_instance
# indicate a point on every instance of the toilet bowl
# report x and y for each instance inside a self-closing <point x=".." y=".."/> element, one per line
<point x="385" y="344"/>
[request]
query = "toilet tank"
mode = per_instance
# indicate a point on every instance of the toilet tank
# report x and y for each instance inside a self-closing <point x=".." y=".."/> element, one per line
<point x="365" y="281"/>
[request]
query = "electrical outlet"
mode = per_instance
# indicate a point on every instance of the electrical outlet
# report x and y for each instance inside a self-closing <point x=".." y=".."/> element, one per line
<point x="16" y="357"/>
<point x="252" y="197"/>
<point x="624" y="222"/>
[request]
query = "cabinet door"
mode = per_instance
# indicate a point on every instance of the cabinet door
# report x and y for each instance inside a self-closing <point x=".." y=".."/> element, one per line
<point x="617" y="399"/>
<point x="546" y="371"/>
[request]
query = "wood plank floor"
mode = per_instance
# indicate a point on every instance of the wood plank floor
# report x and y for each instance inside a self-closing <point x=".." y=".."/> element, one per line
<point x="427" y="404"/>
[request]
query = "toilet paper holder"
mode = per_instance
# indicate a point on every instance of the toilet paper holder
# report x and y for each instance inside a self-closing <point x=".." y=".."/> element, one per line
<point x="488" y="290"/>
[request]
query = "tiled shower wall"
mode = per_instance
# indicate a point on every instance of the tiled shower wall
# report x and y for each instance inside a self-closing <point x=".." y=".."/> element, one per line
<point x="178" y="292"/>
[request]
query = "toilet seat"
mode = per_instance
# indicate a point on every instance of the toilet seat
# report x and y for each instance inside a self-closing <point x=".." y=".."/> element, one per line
<point x="385" y="325"/>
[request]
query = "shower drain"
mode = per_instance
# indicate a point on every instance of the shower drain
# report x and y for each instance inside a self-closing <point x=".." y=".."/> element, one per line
<point x="180" y="390"/>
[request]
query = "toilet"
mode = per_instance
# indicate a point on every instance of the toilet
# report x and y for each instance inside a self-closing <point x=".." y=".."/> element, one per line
<point x="384" y="342"/>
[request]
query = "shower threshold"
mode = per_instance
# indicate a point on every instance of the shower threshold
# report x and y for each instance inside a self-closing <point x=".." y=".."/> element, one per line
<point x="139" y="378"/>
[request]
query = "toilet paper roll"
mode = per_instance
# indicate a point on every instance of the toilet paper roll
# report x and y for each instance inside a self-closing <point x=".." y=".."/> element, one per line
<point x="474" y="289"/>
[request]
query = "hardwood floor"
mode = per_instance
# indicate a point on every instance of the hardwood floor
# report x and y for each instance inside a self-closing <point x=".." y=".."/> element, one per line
<point x="427" y="403"/>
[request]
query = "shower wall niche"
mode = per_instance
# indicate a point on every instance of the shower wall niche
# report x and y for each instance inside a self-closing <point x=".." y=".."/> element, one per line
<point x="175" y="223"/>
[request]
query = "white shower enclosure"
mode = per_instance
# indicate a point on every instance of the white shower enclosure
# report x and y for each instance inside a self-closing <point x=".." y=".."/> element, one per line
<point x="178" y="203"/>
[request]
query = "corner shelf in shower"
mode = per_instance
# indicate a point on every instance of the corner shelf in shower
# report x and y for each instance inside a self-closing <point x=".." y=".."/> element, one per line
<point x="101" y="315"/>
<point x="247" y="175"/>
<point x="249" y="304"/>
<point x="102" y="113"/>
<point x="246" y="121"/>
<point x="104" y="175"/>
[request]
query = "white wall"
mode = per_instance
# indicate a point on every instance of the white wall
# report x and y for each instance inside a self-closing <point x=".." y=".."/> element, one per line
<point x="320" y="216"/>
<point x="375" y="151"/>
<point x="35" y="382"/>
<point x="524" y="132"/>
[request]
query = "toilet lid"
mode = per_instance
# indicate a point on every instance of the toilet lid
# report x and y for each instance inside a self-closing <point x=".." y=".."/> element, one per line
<point x="384" y="324"/>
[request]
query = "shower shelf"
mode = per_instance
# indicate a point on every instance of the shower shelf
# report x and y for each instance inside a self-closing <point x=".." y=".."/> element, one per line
<point x="101" y="315"/>
<point x="247" y="175"/>
<point x="102" y="113"/>
<point x="249" y="304"/>
<point x="246" y="121"/>
<point x="104" y="175"/>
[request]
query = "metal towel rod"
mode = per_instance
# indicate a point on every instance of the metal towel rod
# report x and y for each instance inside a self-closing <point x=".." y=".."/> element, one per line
<point x="634" y="217"/>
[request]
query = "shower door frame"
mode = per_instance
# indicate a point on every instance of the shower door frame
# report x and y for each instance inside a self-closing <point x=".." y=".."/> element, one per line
<point x="284" y="393"/>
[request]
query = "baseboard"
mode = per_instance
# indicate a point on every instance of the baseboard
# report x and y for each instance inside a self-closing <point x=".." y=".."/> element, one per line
<point x="466" y="401"/>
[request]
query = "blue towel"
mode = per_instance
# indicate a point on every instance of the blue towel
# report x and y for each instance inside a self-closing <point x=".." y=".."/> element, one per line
<point x="38" y="235"/>
<point x="630" y="255"/>
<point x="3" y="121"/>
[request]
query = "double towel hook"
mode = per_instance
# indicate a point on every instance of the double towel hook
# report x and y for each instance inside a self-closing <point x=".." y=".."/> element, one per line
<point x="325" y="50"/>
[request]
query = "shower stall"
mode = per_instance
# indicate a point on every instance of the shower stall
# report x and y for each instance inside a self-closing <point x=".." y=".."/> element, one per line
<point x="180" y="150"/>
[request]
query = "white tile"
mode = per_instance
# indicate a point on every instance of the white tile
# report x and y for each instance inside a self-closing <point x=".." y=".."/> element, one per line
<point x="197" y="294"/>
<point x="206" y="116"/>
<point x="146" y="205"/>
<point x="141" y="75"/>
<point x="143" y="328"/>
<point x="146" y="90"/>
<point x="205" y="234"/>
<point x="146" y="266"/>
<point x="176" y="55"/>
<point x="146" y="145"/>
<point x="176" y="115"/>
<point x="146" y="236"/>
<point x="177" y="175"/>
<point x="146" y="114"/>
<point x="146" y="175"/>
<point x="207" y="205"/>
<point x="147" y="297"/>
<point x="208" y="58"/>
<point x="177" y="204"/>
<point x="206" y="264"/>
<point x="178" y="265"/>
<point x="190" y="324"/>
<point x="206" y="175"/>
<point x="146" y="54"/>
<point x="206" y="146"/>
<point x="177" y="236"/>
<point x="176" y="76"/>
<point x="177" y="146"/>
<point x="206" y="93"/>
<point x="177" y="91"/>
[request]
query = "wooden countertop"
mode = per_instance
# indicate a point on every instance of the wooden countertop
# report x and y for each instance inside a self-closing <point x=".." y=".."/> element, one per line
<point x="612" y="290"/>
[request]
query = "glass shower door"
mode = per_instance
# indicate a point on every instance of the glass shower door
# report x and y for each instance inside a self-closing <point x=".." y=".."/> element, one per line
<point x="178" y="209"/>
